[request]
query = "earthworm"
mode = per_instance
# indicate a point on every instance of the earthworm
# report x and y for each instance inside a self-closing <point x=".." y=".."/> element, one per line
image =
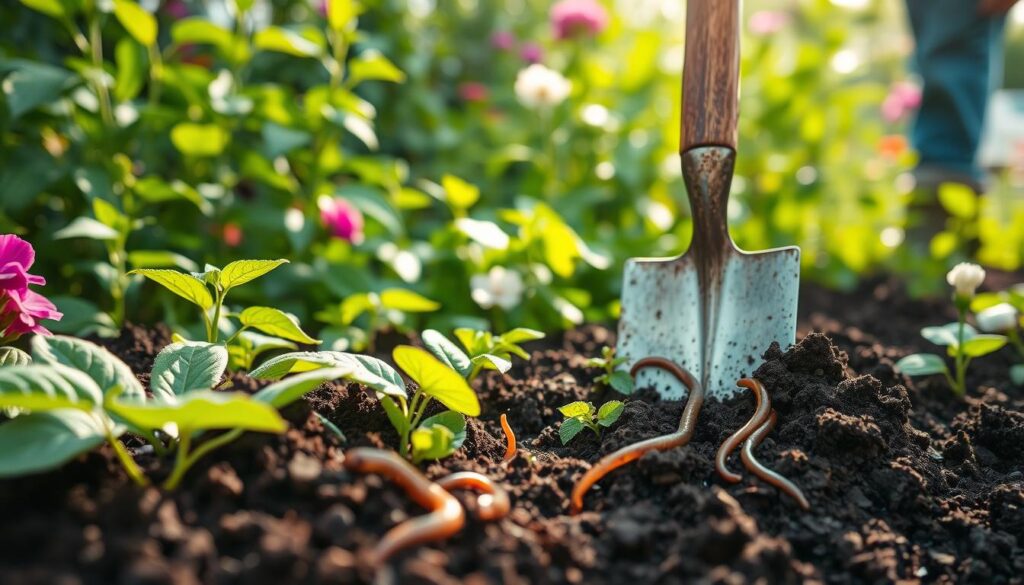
<point x="758" y="469"/>
<point x="687" y="424"/>
<point x="510" y="439"/>
<point x="763" y="405"/>
<point x="446" y="516"/>
<point x="493" y="501"/>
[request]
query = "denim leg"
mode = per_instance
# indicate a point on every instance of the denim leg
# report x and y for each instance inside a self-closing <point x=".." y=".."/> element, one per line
<point x="958" y="54"/>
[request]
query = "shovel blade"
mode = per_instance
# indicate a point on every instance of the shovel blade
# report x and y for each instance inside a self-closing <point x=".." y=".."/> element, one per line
<point x="719" y="333"/>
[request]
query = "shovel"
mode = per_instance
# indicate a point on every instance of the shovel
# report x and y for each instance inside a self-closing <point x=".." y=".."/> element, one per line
<point x="715" y="309"/>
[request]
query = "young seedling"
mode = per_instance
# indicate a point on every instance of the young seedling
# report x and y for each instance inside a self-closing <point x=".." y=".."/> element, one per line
<point x="1000" y="312"/>
<point x="581" y="415"/>
<point x="419" y="438"/>
<point x="618" y="380"/>
<point x="963" y="343"/>
<point x="389" y="308"/>
<point x="282" y="328"/>
<point x="483" y="349"/>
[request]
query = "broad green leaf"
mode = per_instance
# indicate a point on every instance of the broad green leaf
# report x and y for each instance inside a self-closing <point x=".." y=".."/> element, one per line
<point x="280" y="40"/>
<point x="475" y="342"/>
<point x="139" y="23"/>
<point x="433" y="442"/>
<point x="621" y="382"/>
<point x="340" y="13"/>
<point x="459" y="193"/>
<point x="490" y="361"/>
<point x="507" y="350"/>
<point x="283" y="393"/>
<point x="243" y="271"/>
<point x="947" y="334"/>
<point x="180" y="368"/>
<point x="569" y="428"/>
<point x="29" y="85"/>
<point x="921" y="364"/>
<point x="194" y="139"/>
<point x="41" y="441"/>
<point x="131" y="69"/>
<point x="980" y="345"/>
<point x="366" y="370"/>
<point x="275" y="322"/>
<point x="453" y="421"/>
<point x="446" y="351"/>
<point x="437" y="380"/>
<point x="203" y="410"/>
<point x="109" y="215"/>
<point x="38" y="387"/>
<point x="959" y="200"/>
<point x="258" y="343"/>
<point x="184" y="285"/>
<point x="52" y="8"/>
<point x="105" y="369"/>
<point x="355" y="305"/>
<point x="521" y="335"/>
<point x="372" y="65"/>
<point x="300" y="361"/>
<point x="81" y="318"/>
<point x="400" y="299"/>
<point x="160" y="259"/>
<point x="610" y="412"/>
<point x="578" y="408"/>
<point x="86" y="227"/>
<point x="12" y="356"/>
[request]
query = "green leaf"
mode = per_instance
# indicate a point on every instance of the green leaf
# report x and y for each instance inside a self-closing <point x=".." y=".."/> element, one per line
<point x="139" y="23"/>
<point x="283" y="393"/>
<point x="960" y="200"/>
<point x="184" y="285"/>
<point x="400" y="299"/>
<point x="366" y="370"/>
<point x="521" y="335"/>
<point x="621" y="382"/>
<point x="453" y="421"/>
<point x="12" y="356"/>
<point x="243" y="271"/>
<point x="372" y="65"/>
<point x="355" y="305"/>
<point x="203" y="410"/>
<point x="394" y="414"/>
<point x="184" y="367"/>
<point x="86" y="227"/>
<point x="160" y="259"/>
<point x="257" y="343"/>
<point x="131" y="70"/>
<point x="194" y="139"/>
<point x="492" y="362"/>
<point x="610" y="412"/>
<point x="437" y="380"/>
<point x="40" y="387"/>
<point x="921" y="364"/>
<point x="446" y="351"/>
<point x="340" y="13"/>
<point x="475" y="342"/>
<point x="578" y="408"/>
<point x="980" y="345"/>
<point x="985" y="300"/>
<point x="280" y="40"/>
<point x="41" y="441"/>
<point x="1017" y="374"/>
<point x="433" y="442"/>
<point x="947" y="334"/>
<point x="275" y="322"/>
<point x="199" y="31"/>
<point x="30" y="85"/>
<point x="459" y="193"/>
<point x="81" y="317"/>
<point x="330" y="426"/>
<point x="52" y="8"/>
<point x="103" y="367"/>
<point x="569" y="428"/>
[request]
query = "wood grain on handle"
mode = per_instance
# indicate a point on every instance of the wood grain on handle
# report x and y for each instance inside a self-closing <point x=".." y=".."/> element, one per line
<point x="711" y="74"/>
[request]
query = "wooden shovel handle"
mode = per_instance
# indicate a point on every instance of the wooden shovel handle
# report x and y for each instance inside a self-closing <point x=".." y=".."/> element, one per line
<point x="711" y="74"/>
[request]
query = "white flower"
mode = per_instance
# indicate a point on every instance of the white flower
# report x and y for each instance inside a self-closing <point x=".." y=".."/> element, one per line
<point x="540" y="87"/>
<point x="499" y="287"/>
<point x="998" y="318"/>
<point x="965" y="277"/>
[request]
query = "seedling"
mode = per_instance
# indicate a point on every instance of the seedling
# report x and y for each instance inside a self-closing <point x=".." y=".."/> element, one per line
<point x="581" y="415"/>
<point x="389" y="308"/>
<point x="963" y="342"/>
<point x="618" y="380"/>
<point x="1001" y="312"/>
<point x="419" y="438"/>
<point x="484" y="350"/>
<point x="196" y="287"/>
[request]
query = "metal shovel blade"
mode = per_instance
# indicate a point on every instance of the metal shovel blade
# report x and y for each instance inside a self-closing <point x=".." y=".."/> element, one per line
<point x="716" y="308"/>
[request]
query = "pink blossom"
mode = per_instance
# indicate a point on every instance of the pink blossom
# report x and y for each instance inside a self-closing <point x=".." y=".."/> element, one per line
<point x="572" y="18"/>
<point x="473" y="91"/>
<point x="176" y="9"/>
<point x="768" y="22"/>
<point x="341" y="218"/>
<point x="27" y="308"/>
<point x="16" y="257"/>
<point x="21" y="309"/>
<point x="903" y="98"/>
<point x="503" y="40"/>
<point x="532" y="53"/>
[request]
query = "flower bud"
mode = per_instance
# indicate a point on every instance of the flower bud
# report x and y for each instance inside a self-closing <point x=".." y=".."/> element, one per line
<point x="965" y="278"/>
<point x="997" y="319"/>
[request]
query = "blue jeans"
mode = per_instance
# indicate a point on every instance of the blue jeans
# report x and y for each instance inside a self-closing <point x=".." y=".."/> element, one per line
<point x="958" y="54"/>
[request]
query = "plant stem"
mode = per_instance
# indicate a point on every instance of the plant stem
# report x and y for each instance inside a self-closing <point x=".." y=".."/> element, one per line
<point x="218" y="300"/>
<point x="96" y="52"/>
<point x="130" y="467"/>
<point x="961" y="366"/>
<point x="184" y="463"/>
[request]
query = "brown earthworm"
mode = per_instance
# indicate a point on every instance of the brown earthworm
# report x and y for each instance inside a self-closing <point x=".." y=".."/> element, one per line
<point x="758" y="469"/>
<point x="763" y="405"/>
<point x="510" y="439"/>
<point x="493" y="501"/>
<point x="687" y="424"/>
<point x="446" y="516"/>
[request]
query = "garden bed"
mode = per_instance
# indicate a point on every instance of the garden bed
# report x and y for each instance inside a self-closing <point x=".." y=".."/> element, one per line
<point x="905" y="482"/>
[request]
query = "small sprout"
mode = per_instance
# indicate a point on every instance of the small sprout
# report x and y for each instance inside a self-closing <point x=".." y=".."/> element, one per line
<point x="484" y="350"/>
<point x="389" y="308"/>
<point x="581" y="415"/>
<point x="618" y="380"/>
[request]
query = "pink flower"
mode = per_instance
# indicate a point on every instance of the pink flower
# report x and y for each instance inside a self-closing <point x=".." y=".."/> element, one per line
<point x="21" y="309"/>
<point x="532" y="53"/>
<point x="768" y="22"/>
<point x="903" y="98"/>
<point x="341" y="218"/>
<point x="473" y="91"/>
<point x="572" y="18"/>
<point x="16" y="257"/>
<point x="503" y="40"/>
<point x="176" y="9"/>
<point x="27" y="308"/>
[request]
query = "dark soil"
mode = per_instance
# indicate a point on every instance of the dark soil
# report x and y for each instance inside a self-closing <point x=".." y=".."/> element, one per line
<point x="907" y="483"/>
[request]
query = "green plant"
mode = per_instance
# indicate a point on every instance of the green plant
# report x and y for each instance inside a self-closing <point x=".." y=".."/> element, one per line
<point x="1001" y="312"/>
<point x="387" y="308"/>
<point x="76" y="395"/>
<point x="962" y="341"/>
<point x="618" y="380"/>
<point x="581" y="415"/>
<point x="486" y="351"/>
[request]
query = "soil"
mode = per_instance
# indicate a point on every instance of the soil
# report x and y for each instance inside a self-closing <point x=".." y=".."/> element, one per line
<point x="907" y="482"/>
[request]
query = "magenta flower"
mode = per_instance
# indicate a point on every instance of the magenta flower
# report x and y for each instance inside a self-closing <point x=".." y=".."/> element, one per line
<point x="903" y="98"/>
<point x="341" y="218"/>
<point x="532" y="53"/>
<point x="767" y="22"/>
<point x="21" y="309"/>
<point x="571" y="18"/>
<point x="503" y="40"/>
